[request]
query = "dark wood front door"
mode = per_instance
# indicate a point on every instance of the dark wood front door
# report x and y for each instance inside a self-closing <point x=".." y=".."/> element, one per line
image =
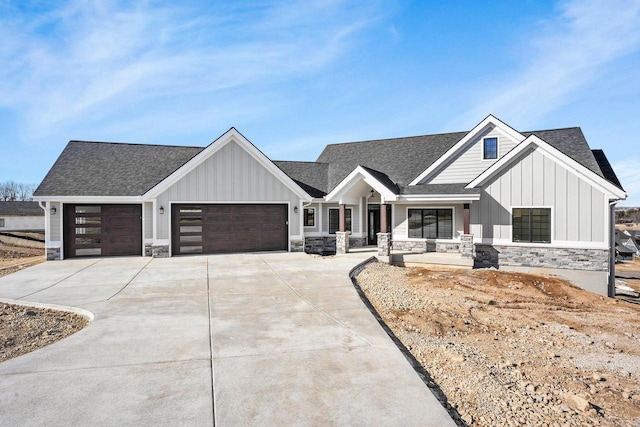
<point x="226" y="228"/>
<point x="102" y="230"/>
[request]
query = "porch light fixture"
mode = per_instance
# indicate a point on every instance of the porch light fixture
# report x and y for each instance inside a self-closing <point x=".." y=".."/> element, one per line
<point x="295" y="209"/>
<point x="371" y="193"/>
<point x="161" y="210"/>
<point x="53" y="211"/>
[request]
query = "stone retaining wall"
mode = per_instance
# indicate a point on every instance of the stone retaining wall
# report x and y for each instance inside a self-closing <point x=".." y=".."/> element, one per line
<point x="549" y="257"/>
<point x="320" y="244"/>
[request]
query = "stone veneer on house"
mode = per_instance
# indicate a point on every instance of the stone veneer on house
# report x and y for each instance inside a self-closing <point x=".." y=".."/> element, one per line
<point x="421" y="246"/>
<point x="53" y="254"/>
<point x="539" y="256"/>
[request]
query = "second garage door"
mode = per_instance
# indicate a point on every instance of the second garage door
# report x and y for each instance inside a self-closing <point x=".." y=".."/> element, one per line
<point x="212" y="229"/>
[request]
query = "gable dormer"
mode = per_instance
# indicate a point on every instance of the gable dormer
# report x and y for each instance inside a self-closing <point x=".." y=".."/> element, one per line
<point x="473" y="154"/>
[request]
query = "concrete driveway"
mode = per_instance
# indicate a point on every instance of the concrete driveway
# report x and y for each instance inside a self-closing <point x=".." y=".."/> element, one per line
<point x="227" y="340"/>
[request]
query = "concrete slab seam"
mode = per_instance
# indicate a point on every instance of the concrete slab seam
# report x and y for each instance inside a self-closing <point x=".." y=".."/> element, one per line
<point x="132" y="279"/>
<point x="66" y="308"/>
<point x="213" y="394"/>
<point x="313" y="305"/>
<point x="61" y="280"/>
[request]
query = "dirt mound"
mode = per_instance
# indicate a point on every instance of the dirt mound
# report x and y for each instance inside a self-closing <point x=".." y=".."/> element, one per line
<point x="514" y="348"/>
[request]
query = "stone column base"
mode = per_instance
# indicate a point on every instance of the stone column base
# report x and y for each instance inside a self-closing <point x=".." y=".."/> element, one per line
<point x="53" y="254"/>
<point x="466" y="245"/>
<point x="161" y="251"/>
<point x="384" y="244"/>
<point x="342" y="242"/>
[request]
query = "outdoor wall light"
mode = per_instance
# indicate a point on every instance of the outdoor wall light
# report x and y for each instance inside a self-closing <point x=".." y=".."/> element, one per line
<point x="161" y="210"/>
<point x="371" y="194"/>
<point x="53" y="211"/>
<point x="295" y="209"/>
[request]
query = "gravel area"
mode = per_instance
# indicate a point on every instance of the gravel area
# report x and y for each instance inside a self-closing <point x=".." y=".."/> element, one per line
<point x="514" y="349"/>
<point x="24" y="329"/>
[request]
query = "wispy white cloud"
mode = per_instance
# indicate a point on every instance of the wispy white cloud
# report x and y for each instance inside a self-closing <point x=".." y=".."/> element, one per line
<point x="628" y="172"/>
<point x="565" y="54"/>
<point x="86" y="61"/>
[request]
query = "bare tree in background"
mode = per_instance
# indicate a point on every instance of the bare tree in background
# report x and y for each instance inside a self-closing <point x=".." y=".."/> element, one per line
<point x="16" y="191"/>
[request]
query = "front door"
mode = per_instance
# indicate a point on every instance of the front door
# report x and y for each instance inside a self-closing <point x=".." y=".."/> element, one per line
<point x="373" y="227"/>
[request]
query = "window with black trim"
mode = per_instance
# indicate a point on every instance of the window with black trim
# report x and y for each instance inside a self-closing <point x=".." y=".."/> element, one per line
<point x="309" y="217"/>
<point x="490" y="148"/>
<point x="431" y="223"/>
<point x="531" y="225"/>
<point x="334" y="220"/>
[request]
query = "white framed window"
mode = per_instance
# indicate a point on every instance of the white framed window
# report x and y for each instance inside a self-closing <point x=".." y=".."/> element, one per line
<point x="309" y="217"/>
<point x="490" y="148"/>
<point x="531" y="225"/>
<point x="1" y="222"/>
<point x="434" y="223"/>
<point x="334" y="220"/>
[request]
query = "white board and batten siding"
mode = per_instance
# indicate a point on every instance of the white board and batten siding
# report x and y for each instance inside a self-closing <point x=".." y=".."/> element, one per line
<point x="469" y="163"/>
<point x="535" y="180"/>
<point x="147" y="212"/>
<point x="230" y="175"/>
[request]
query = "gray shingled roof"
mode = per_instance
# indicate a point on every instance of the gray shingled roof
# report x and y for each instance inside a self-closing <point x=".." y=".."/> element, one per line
<point x="112" y="169"/>
<point x="21" y="209"/>
<point x="119" y="169"/>
<point x="401" y="159"/>
<point x="570" y="141"/>
<point x="606" y="168"/>
<point x="311" y="176"/>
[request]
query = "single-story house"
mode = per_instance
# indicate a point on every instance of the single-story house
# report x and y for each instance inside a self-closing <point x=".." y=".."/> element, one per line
<point x="502" y="197"/>
<point x="21" y="216"/>
<point x="626" y="246"/>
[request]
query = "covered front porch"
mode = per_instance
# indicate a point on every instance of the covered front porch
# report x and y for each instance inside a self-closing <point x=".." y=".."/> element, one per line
<point x="368" y="209"/>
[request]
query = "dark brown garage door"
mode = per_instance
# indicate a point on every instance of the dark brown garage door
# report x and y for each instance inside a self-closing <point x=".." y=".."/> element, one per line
<point x="102" y="230"/>
<point x="213" y="229"/>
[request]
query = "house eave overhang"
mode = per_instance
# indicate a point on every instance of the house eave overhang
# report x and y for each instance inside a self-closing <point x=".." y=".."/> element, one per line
<point x="489" y="120"/>
<point x="614" y="193"/>
<point x="359" y="174"/>
<point x="232" y="135"/>
<point x="461" y="198"/>
<point x="89" y="199"/>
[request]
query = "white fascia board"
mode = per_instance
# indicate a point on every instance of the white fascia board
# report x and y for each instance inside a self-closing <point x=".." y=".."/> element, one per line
<point x="556" y="155"/>
<point x="439" y="198"/>
<point x="230" y="135"/>
<point x="89" y="199"/>
<point x="490" y="119"/>
<point x="359" y="174"/>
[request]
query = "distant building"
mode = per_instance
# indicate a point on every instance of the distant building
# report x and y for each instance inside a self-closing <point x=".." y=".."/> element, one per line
<point x="21" y="216"/>
<point x="626" y="246"/>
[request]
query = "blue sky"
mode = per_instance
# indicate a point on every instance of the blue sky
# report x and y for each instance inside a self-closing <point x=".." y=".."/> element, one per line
<point x="295" y="76"/>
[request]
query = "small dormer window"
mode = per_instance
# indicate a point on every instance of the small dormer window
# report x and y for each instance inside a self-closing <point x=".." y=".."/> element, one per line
<point x="490" y="148"/>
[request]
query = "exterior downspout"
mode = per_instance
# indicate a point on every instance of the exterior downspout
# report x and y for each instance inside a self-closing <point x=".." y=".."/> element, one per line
<point x="611" y="291"/>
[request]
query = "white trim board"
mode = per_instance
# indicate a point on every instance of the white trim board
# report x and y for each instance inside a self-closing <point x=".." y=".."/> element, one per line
<point x="359" y="174"/>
